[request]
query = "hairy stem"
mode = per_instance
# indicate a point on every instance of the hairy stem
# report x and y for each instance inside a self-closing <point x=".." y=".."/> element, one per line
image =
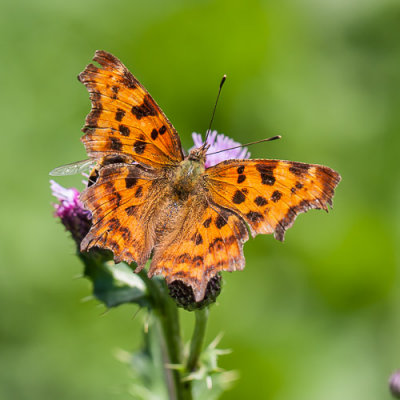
<point x="196" y="344"/>
<point x="166" y="313"/>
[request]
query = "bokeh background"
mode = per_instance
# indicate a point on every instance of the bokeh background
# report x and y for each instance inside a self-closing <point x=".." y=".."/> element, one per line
<point x="317" y="317"/>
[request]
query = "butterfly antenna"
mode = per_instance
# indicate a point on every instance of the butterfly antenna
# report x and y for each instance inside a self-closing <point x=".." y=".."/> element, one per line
<point x="215" y="107"/>
<point x="248" y="144"/>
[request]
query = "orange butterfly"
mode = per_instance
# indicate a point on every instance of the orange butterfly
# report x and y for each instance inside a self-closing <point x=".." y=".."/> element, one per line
<point x="147" y="199"/>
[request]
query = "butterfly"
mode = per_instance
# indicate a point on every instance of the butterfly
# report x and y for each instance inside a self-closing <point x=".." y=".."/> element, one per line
<point x="149" y="200"/>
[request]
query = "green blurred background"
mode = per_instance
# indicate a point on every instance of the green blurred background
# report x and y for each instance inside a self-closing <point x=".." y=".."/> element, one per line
<point x="316" y="317"/>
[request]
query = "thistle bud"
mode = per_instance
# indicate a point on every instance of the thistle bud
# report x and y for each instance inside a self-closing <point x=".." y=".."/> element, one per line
<point x="184" y="297"/>
<point x="70" y="210"/>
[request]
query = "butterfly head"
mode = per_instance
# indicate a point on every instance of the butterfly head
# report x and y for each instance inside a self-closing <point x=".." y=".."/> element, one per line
<point x="199" y="154"/>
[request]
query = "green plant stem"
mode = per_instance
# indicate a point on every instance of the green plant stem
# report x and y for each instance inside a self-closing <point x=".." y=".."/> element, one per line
<point x="166" y="312"/>
<point x="196" y="344"/>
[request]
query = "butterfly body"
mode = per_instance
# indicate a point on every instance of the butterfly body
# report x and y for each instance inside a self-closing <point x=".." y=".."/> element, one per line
<point x="147" y="199"/>
<point x="188" y="177"/>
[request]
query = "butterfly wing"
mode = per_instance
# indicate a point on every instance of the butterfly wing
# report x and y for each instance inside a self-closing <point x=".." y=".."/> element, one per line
<point x="73" y="168"/>
<point x="206" y="240"/>
<point x="124" y="118"/>
<point x="269" y="194"/>
<point x="121" y="202"/>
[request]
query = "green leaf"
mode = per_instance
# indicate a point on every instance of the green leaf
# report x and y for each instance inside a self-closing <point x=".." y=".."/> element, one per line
<point x="113" y="284"/>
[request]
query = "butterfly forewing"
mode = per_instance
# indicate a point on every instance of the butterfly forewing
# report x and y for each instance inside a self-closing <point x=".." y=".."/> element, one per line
<point x="124" y="118"/>
<point x="269" y="194"/>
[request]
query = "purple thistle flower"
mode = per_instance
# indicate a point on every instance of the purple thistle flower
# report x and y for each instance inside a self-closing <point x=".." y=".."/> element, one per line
<point x="394" y="384"/>
<point x="220" y="142"/>
<point x="70" y="210"/>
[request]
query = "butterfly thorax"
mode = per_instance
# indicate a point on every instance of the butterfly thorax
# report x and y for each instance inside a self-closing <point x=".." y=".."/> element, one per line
<point x="187" y="177"/>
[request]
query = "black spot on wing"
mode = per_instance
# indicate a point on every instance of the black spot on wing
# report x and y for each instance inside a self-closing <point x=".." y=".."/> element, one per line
<point x="146" y="109"/>
<point x="238" y="197"/>
<point x="154" y="134"/>
<point x="139" y="145"/>
<point x="129" y="80"/>
<point x="119" y="115"/>
<point x="260" y="201"/>
<point x="276" y="196"/>
<point x="130" y="180"/>
<point x="124" y="130"/>
<point x="241" y="178"/>
<point x="115" y="144"/>
<point x="254" y="216"/>
<point x="220" y="222"/>
<point x="299" y="169"/>
<point x="207" y="222"/>
<point x="299" y="185"/>
<point x="266" y="173"/>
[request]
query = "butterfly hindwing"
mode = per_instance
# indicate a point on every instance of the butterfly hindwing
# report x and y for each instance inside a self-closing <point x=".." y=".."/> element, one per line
<point x="208" y="242"/>
<point x="269" y="194"/>
<point x="120" y="202"/>
<point x="124" y="118"/>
